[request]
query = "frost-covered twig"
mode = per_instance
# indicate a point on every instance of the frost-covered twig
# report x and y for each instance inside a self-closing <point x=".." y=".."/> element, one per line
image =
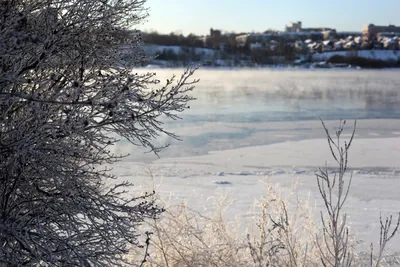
<point x="386" y="234"/>
<point x="335" y="249"/>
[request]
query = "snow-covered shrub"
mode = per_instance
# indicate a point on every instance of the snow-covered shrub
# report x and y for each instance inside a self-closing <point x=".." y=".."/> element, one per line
<point x="185" y="237"/>
<point x="65" y="98"/>
<point x="279" y="236"/>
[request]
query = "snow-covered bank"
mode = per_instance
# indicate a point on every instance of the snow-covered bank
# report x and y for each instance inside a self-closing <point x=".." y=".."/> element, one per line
<point x="384" y="55"/>
<point x="238" y="172"/>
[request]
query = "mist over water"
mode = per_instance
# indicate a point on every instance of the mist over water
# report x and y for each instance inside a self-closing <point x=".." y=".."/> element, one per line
<point x="236" y="108"/>
<point x="292" y="95"/>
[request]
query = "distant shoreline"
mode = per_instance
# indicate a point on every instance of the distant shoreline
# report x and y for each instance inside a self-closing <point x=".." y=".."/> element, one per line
<point x="266" y="67"/>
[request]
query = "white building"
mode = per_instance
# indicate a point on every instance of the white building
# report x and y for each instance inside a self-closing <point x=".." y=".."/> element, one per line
<point x="293" y="27"/>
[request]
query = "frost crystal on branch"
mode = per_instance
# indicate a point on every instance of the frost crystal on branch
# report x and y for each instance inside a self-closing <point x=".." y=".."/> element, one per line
<point x="66" y="91"/>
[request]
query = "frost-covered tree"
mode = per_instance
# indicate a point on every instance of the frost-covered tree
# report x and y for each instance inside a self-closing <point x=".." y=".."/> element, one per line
<point x="67" y="95"/>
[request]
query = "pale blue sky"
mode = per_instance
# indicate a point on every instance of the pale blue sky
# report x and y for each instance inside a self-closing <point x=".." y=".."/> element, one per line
<point x="198" y="16"/>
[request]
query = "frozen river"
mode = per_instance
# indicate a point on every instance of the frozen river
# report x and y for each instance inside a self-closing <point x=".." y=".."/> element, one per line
<point x="252" y="125"/>
<point x="239" y="108"/>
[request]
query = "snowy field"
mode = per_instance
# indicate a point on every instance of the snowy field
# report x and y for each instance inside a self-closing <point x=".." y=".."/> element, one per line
<point x="250" y="126"/>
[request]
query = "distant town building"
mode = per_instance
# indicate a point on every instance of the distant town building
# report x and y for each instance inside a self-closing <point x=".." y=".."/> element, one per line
<point x="347" y="35"/>
<point x="213" y="40"/>
<point x="329" y="34"/>
<point x="382" y="35"/>
<point x="215" y="33"/>
<point x="371" y="31"/>
<point x="293" y="27"/>
<point x="297" y="27"/>
<point x="318" y="29"/>
<point x="252" y="38"/>
<point x="263" y="38"/>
